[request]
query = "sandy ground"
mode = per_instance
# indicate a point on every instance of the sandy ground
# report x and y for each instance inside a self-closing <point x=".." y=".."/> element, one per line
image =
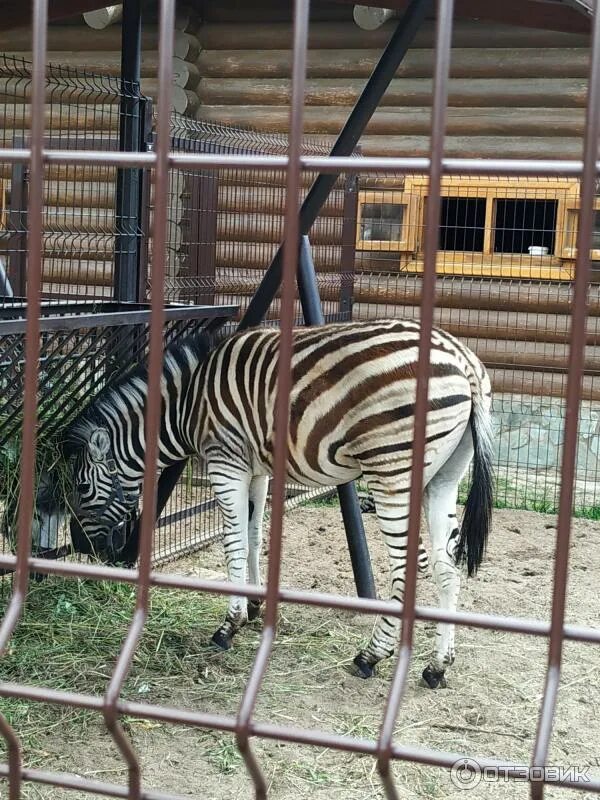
<point x="490" y="707"/>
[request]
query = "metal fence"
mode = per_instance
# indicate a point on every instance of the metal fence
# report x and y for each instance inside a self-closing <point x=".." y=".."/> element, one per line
<point x="86" y="227"/>
<point x="505" y="266"/>
<point x="226" y="224"/>
<point x="223" y="229"/>
<point x="244" y="725"/>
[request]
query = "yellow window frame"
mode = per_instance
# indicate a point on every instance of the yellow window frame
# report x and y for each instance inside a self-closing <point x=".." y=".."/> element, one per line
<point x="571" y="230"/>
<point x="409" y="222"/>
<point x="502" y="265"/>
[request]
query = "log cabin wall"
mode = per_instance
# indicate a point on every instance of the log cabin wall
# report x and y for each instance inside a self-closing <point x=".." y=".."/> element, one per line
<point x="80" y="207"/>
<point x="231" y="223"/>
<point x="74" y="44"/>
<point x="513" y="93"/>
<point x="224" y="227"/>
<point x="82" y="111"/>
<point x="80" y="203"/>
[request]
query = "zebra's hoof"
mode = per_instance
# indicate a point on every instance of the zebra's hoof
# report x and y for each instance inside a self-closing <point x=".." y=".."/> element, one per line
<point x="434" y="679"/>
<point x="367" y="504"/>
<point x="222" y="639"/>
<point x="254" y="609"/>
<point x="362" y="668"/>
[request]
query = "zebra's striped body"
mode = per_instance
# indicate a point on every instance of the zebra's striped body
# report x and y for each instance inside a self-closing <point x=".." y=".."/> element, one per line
<point x="351" y="414"/>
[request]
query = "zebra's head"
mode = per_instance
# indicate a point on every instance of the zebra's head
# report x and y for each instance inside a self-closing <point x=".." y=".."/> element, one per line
<point x="103" y="504"/>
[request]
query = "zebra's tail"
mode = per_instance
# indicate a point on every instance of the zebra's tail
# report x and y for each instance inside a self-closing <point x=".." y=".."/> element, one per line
<point x="477" y="517"/>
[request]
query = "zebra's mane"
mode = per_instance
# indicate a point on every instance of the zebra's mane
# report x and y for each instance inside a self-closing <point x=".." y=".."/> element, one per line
<point x="77" y="433"/>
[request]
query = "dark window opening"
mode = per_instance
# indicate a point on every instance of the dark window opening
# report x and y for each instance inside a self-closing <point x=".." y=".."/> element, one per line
<point x="521" y="224"/>
<point x="462" y="223"/>
<point x="596" y="231"/>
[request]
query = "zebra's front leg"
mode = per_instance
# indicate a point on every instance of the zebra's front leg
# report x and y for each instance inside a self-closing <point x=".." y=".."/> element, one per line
<point x="256" y="512"/>
<point x="392" y="516"/>
<point x="232" y="494"/>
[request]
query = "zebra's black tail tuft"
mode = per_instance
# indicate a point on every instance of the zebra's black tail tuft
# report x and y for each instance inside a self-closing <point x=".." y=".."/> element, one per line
<point x="477" y="517"/>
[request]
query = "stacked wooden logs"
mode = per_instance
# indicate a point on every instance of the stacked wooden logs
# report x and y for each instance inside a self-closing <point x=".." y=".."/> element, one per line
<point x="79" y="215"/>
<point x="513" y="93"/>
<point x="519" y="329"/>
<point x="245" y="216"/>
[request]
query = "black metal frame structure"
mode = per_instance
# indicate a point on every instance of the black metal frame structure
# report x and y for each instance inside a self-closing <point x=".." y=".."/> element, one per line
<point x="84" y="347"/>
<point x="130" y="180"/>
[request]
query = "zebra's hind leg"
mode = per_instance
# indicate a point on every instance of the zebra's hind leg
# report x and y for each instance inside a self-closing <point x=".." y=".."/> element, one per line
<point x="258" y="498"/>
<point x="367" y="506"/>
<point x="392" y="516"/>
<point x="440" y="508"/>
<point x="232" y="495"/>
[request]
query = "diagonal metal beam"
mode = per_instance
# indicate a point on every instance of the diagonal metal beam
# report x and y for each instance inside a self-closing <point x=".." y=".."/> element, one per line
<point x="365" y="107"/>
<point x="586" y="7"/>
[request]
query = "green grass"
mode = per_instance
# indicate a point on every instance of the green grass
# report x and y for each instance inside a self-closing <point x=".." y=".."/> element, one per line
<point x="72" y="631"/>
<point x="224" y="754"/>
<point x="327" y="501"/>
<point x="588" y="512"/>
<point x="47" y="461"/>
<point x="70" y="635"/>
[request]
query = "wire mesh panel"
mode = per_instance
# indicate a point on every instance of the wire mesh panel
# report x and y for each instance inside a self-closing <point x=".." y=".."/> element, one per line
<point x="84" y="348"/>
<point x="505" y="264"/>
<point x="82" y="224"/>
<point x="226" y="225"/>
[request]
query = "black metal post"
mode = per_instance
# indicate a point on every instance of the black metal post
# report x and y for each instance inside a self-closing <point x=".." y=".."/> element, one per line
<point x="362" y="112"/>
<point x="145" y="183"/>
<point x="18" y="226"/>
<point x="355" y="532"/>
<point x="348" y="263"/>
<point x="127" y="246"/>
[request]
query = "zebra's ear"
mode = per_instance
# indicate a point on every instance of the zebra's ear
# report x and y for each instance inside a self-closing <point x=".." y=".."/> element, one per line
<point x="99" y="444"/>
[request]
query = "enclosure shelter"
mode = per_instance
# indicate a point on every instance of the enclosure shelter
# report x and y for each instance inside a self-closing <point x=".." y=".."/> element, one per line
<point x="476" y="239"/>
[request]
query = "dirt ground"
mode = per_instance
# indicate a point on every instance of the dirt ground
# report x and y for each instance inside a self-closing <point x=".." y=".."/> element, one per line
<point x="490" y="707"/>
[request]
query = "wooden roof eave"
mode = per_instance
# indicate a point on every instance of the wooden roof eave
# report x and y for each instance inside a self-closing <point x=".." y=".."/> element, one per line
<point x="568" y="16"/>
<point x="17" y="14"/>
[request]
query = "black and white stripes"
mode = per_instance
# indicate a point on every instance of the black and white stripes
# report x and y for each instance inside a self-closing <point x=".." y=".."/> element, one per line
<point x="351" y="414"/>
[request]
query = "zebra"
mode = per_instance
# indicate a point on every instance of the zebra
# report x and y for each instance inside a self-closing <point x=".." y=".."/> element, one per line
<point x="351" y="414"/>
